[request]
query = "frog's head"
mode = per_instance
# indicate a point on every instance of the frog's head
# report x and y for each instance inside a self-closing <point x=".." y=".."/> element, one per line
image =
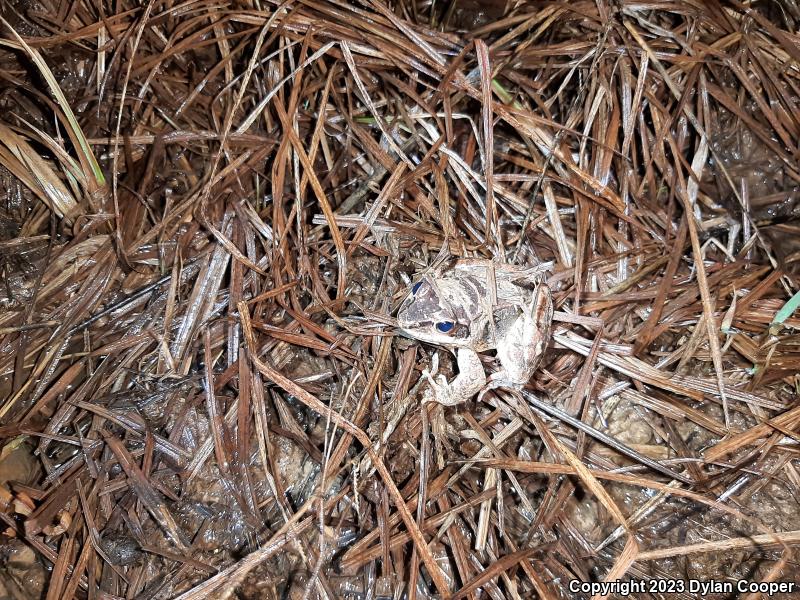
<point x="426" y="315"/>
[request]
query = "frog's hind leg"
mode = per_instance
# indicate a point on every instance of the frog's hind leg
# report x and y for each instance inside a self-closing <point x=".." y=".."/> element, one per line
<point x="524" y="343"/>
<point x="470" y="379"/>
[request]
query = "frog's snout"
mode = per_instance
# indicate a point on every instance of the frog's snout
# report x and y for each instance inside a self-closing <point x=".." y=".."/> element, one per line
<point x="403" y="320"/>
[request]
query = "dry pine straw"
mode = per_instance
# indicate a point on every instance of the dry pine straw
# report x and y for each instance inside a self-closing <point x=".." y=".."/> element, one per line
<point x="210" y="212"/>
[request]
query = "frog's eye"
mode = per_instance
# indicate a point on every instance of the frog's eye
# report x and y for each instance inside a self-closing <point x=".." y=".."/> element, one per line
<point x="416" y="287"/>
<point x="445" y="326"/>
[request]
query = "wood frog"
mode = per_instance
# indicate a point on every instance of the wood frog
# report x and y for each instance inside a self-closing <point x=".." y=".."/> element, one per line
<point x="474" y="306"/>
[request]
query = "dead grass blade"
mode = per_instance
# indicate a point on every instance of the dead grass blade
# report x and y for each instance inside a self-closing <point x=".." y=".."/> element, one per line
<point x="19" y="157"/>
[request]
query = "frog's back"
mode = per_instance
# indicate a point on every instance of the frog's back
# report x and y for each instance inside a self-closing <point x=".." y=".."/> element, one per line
<point x="512" y="285"/>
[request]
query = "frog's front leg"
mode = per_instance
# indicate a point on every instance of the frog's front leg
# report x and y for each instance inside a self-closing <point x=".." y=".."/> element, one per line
<point x="470" y="379"/>
<point x="524" y="342"/>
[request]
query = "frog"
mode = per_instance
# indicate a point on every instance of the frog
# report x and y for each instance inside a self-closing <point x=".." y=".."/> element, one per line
<point x="473" y="306"/>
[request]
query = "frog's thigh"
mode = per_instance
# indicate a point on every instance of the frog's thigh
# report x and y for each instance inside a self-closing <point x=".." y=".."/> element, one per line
<point x="519" y="350"/>
<point x="469" y="381"/>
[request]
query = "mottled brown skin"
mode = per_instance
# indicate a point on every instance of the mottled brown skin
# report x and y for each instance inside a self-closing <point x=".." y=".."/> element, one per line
<point x="475" y="306"/>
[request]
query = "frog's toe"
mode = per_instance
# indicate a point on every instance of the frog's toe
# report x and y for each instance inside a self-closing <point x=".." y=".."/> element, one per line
<point x="428" y="396"/>
<point x="500" y="379"/>
<point x="506" y="378"/>
<point x="446" y="396"/>
<point x="442" y="392"/>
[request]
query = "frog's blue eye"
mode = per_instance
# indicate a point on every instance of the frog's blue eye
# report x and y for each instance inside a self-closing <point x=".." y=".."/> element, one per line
<point x="444" y="326"/>
<point x="416" y="287"/>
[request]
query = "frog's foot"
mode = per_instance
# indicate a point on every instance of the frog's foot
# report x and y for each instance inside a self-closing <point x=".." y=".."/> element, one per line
<point x="502" y="379"/>
<point x="470" y="379"/>
<point x="444" y="393"/>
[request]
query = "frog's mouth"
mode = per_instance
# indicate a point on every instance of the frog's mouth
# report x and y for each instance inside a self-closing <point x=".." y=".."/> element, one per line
<point x="439" y="333"/>
<point x="428" y="334"/>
